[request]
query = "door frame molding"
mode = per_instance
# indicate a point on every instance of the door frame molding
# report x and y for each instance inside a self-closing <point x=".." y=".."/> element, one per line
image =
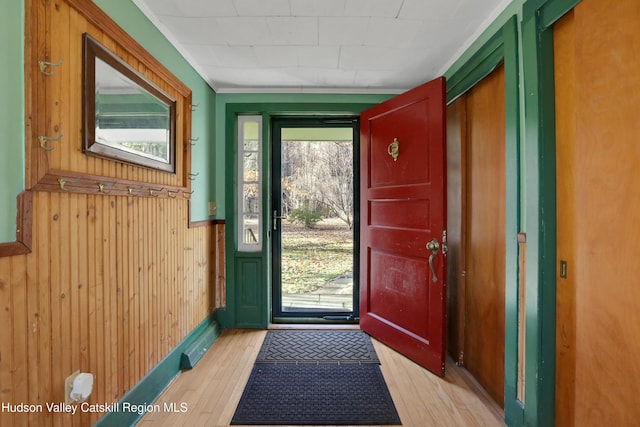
<point x="539" y="206"/>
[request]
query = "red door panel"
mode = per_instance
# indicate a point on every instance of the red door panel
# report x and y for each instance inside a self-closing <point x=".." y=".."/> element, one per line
<point x="403" y="292"/>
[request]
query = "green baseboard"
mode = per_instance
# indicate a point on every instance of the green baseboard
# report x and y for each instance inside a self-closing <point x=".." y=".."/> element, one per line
<point x="157" y="380"/>
<point x="194" y="352"/>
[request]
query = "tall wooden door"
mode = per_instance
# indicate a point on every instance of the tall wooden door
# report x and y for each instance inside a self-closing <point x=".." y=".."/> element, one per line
<point x="485" y="233"/>
<point x="597" y="90"/>
<point x="403" y="224"/>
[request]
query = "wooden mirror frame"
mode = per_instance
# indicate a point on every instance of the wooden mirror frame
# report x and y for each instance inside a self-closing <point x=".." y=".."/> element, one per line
<point x="93" y="51"/>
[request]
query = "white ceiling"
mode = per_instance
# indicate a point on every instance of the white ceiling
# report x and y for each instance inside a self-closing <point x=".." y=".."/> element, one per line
<point x="357" y="46"/>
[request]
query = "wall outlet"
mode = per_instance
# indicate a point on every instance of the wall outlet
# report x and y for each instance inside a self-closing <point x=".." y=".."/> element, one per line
<point x="212" y="208"/>
<point x="68" y="386"/>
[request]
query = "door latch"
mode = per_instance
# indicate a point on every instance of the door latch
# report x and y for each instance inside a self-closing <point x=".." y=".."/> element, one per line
<point x="276" y="217"/>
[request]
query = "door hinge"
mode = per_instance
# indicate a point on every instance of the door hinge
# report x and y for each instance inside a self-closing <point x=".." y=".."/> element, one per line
<point x="444" y="242"/>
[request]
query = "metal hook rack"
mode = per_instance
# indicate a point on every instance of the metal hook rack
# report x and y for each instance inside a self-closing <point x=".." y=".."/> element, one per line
<point x="62" y="182"/>
<point x="101" y="188"/>
<point x="131" y="189"/>
<point x="152" y="191"/>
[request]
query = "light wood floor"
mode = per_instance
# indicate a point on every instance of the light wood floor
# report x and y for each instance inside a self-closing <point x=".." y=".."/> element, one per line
<point x="213" y="388"/>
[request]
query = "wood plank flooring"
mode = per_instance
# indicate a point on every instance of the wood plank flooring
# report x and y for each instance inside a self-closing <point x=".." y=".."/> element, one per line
<point x="211" y="391"/>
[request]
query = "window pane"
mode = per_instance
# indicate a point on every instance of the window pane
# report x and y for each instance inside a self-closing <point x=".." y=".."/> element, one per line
<point x="251" y="199"/>
<point x="249" y="185"/>
<point x="250" y="165"/>
<point x="251" y="233"/>
<point x="250" y="145"/>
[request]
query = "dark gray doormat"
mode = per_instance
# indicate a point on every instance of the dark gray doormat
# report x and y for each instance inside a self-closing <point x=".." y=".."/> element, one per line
<point x="352" y="394"/>
<point x="317" y="347"/>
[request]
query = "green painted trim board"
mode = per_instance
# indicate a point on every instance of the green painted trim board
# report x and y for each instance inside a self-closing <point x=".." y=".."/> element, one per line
<point x="157" y="380"/>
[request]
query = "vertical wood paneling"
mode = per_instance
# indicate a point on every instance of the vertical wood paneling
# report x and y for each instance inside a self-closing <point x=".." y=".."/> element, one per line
<point x="33" y="326"/>
<point x="6" y="335"/>
<point x="113" y="283"/>
<point x="56" y="100"/>
<point x="55" y="259"/>
<point x="100" y="293"/>
<point x="61" y="88"/>
<point x="42" y="211"/>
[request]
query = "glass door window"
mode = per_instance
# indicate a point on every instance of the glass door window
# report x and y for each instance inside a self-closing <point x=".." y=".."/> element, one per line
<point x="314" y="222"/>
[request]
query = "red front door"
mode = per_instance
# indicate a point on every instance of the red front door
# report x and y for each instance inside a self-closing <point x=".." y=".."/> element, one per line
<point x="403" y="225"/>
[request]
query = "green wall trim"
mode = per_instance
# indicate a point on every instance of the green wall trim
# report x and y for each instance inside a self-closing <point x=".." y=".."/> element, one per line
<point x="157" y="380"/>
<point x="513" y="409"/>
<point x="480" y="65"/>
<point x="540" y="205"/>
<point x="555" y="10"/>
<point x="549" y="11"/>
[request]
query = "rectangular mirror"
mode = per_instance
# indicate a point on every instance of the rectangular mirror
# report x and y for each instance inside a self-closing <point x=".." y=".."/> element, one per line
<point x="126" y="117"/>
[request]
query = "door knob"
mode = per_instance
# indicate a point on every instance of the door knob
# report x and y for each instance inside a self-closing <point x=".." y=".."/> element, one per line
<point x="434" y="247"/>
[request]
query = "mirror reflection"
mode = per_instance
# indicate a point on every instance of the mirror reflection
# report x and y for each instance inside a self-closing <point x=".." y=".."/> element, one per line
<point x="126" y="117"/>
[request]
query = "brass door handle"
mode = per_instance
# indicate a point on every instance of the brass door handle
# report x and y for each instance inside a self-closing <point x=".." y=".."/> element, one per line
<point x="434" y="247"/>
<point x="394" y="149"/>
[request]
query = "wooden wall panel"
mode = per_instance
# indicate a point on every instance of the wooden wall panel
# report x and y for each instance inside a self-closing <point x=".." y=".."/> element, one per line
<point x="114" y="281"/>
<point x="112" y="285"/>
<point x="54" y="105"/>
<point x="485" y="230"/>
<point x="598" y="103"/>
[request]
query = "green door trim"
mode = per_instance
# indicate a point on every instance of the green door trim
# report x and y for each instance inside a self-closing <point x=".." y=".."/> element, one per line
<point x="540" y="205"/>
<point x="247" y="302"/>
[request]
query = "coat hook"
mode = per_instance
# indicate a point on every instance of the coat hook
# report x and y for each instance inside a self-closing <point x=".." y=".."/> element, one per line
<point x="187" y="192"/>
<point x="193" y="141"/>
<point x="62" y="182"/>
<point x="172" y="194"/>
<point x="44" y="139"/>
<point x="101" y="188"/>
<point x="131" y="189"/>
<point x="44" y="64"/>
<point x="192" y="176"/>
<point x="194" y="106"/>
<point x="152" y="191"/>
